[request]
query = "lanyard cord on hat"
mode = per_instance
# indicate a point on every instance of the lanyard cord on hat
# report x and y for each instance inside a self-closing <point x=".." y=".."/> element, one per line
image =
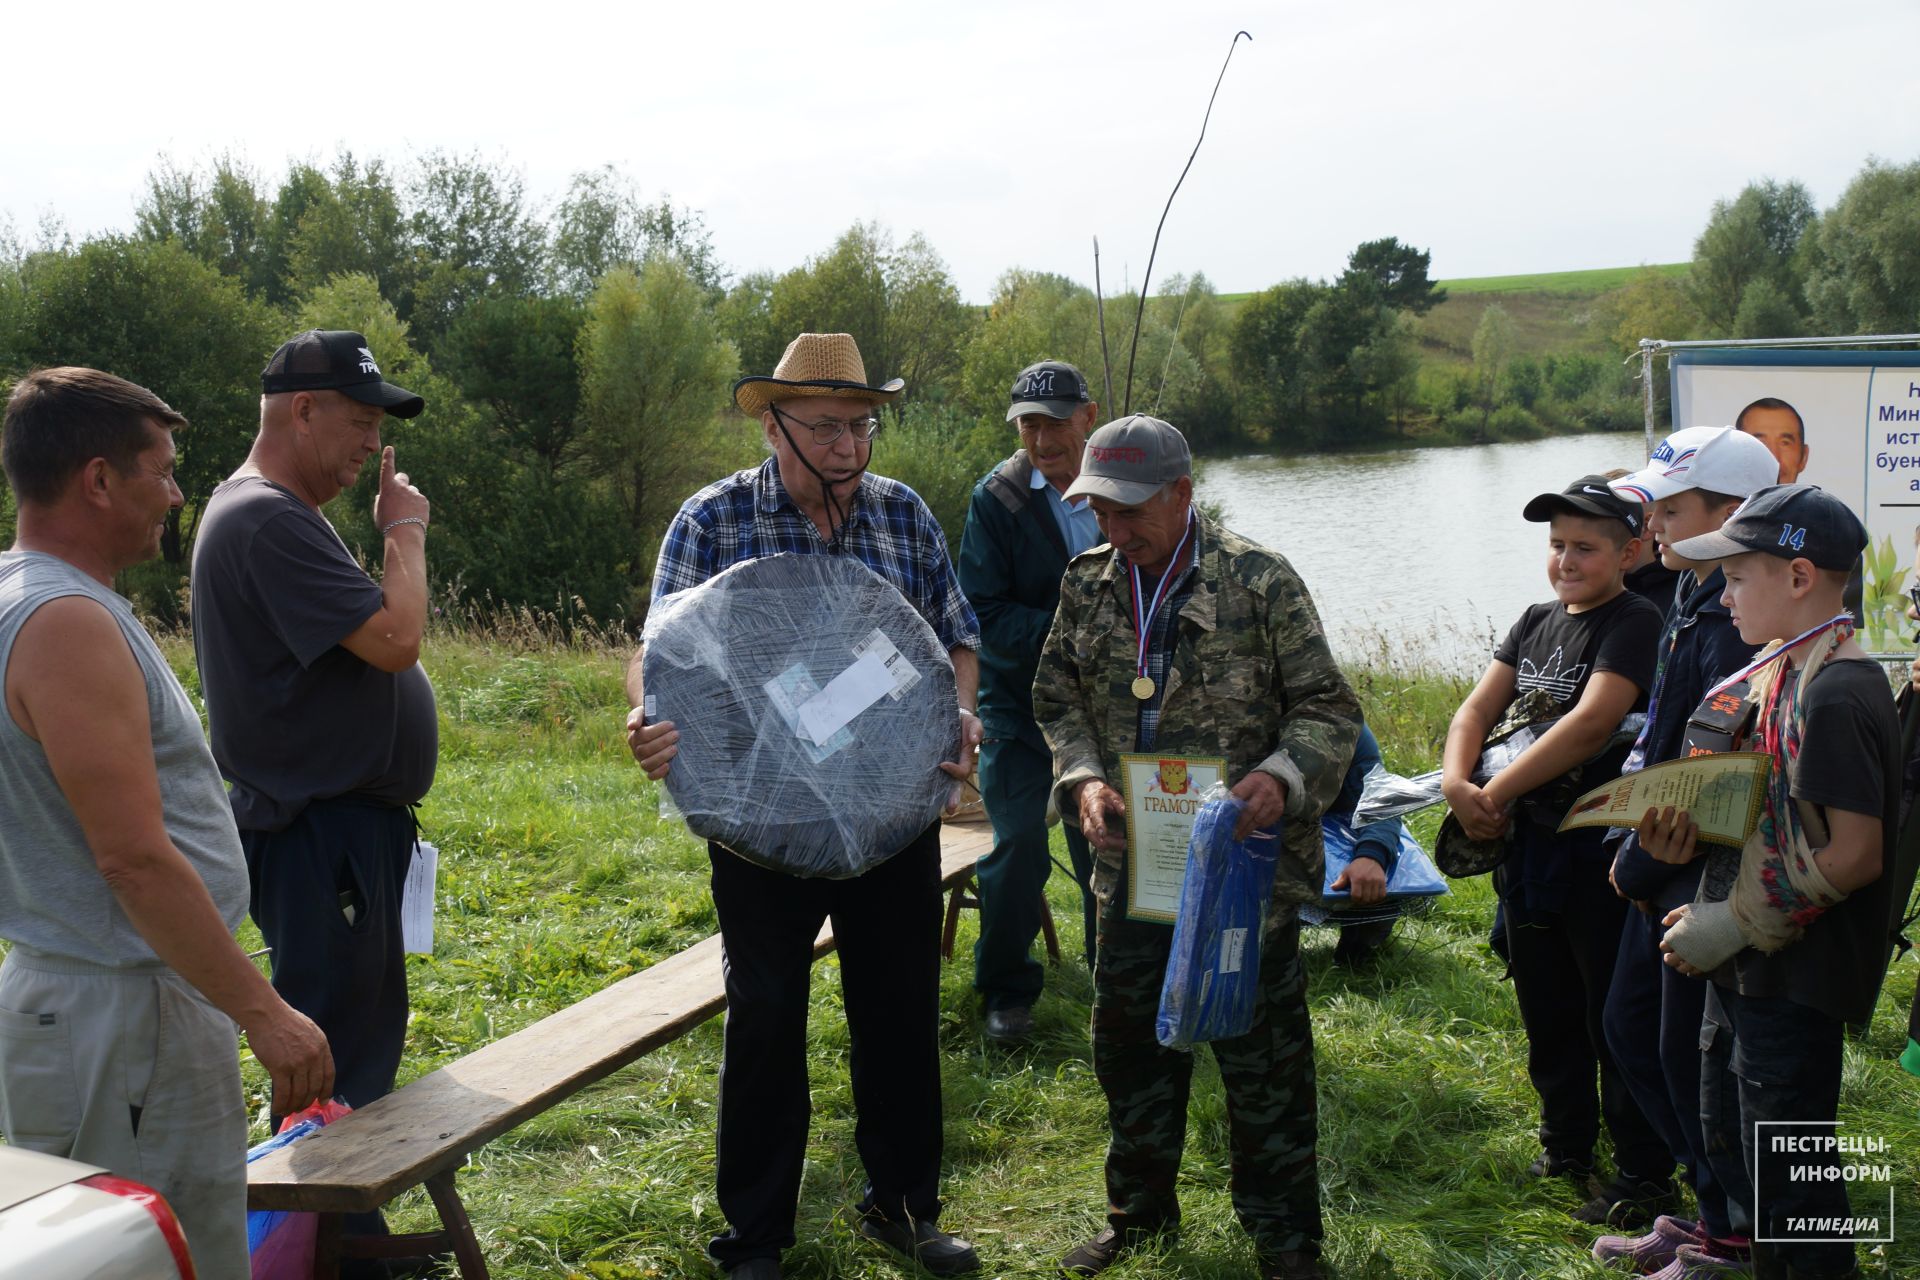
<point x="1143" y="622"/>
<point x="836" y="514"/>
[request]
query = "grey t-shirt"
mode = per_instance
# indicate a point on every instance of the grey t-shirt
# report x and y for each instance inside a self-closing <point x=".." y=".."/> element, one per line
<point x="294" y="716"/>
<point x="52" y="897"/>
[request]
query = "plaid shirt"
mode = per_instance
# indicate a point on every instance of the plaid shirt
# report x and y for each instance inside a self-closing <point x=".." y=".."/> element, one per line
<point x="1160" y="640"/>
<point x="889" y="529"/>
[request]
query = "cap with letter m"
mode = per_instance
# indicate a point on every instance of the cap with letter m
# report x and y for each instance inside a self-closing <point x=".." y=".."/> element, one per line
<point x="1052" y="388"/>
<point x="1131" y="459"/>
<point x="336" y="360"/>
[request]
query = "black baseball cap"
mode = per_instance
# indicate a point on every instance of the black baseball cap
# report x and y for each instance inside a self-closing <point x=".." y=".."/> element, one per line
<point x="1052" y="387"/>
<point x="1588" y="496"/>
<point x="1792" y="521"/>
<point x="336" y="360"/>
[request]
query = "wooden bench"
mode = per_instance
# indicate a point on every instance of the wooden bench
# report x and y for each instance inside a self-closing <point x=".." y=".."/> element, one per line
<point x="421" y="1133"/>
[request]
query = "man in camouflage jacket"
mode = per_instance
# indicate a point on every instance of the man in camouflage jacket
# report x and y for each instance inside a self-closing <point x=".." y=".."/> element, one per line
<point x="1236" y="665"/>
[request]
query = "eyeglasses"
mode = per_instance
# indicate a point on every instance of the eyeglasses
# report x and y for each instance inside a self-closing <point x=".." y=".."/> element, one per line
<point x="827" y="430"/>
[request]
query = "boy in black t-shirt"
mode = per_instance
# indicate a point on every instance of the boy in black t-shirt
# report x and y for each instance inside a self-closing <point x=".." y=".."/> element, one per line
<point x="1592" y="648"/>
<point x="1796" y="929"/>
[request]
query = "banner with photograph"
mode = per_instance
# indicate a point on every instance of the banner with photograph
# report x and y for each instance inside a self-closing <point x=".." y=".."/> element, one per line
<point x="1848" y="421"/>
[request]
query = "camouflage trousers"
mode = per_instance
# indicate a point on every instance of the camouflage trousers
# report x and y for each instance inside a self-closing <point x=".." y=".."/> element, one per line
<point x="1268" y="1075"/>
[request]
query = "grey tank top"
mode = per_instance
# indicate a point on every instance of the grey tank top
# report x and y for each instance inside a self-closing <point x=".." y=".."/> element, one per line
<point x="52" y="897"/>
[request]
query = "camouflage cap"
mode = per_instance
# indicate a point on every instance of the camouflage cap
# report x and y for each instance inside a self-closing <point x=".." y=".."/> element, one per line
<point x="1131" y="459"/>
<point x="1459" y="855"/>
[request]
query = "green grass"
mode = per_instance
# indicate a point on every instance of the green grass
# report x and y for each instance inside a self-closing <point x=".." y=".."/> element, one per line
<point x="558" y="877"/>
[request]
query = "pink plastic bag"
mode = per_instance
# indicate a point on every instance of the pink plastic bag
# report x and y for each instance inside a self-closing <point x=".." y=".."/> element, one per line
<point x="280" y="1242"/>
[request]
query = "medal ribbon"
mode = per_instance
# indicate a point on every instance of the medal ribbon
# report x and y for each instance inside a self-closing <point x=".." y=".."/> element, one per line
<point x="1142" y="622"/>
<point x="1838" y="620"/>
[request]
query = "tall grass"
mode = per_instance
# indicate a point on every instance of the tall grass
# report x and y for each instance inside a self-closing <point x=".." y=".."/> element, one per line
<point x="559" y="876"/>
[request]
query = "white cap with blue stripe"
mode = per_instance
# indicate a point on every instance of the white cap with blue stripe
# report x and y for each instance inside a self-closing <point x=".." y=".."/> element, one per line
<point x="1717" y="459"/>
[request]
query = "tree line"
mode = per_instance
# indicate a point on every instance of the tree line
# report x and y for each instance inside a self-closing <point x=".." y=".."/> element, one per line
<point x="575" y="355"/>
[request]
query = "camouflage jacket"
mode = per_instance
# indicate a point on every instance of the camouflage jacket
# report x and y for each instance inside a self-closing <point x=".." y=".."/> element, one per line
<point x="1252" y="680"/>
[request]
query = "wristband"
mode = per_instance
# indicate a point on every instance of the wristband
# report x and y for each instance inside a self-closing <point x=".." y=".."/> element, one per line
<point x="388" y="528"/>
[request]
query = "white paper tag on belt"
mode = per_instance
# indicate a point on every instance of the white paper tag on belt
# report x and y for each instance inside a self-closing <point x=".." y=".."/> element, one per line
<point x="905" y="674"/>
<point x="416" y="903"/>
<point x="1233" y="948"/>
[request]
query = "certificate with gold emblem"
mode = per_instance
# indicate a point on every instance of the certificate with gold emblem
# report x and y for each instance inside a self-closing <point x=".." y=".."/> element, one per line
<point x="1163" y="798"/>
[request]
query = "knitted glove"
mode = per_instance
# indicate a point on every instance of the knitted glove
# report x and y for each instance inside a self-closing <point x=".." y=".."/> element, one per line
<point x="1707" y="936"/>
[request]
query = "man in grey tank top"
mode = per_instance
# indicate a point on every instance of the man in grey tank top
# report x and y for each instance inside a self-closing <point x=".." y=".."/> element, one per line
<point x="121" y="875"/>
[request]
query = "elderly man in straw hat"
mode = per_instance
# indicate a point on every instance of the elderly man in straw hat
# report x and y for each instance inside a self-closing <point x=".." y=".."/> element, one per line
<point x="815" y="496"/>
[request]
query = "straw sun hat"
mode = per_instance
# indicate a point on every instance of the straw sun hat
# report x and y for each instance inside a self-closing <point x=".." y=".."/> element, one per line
<point x="815" y="364"/>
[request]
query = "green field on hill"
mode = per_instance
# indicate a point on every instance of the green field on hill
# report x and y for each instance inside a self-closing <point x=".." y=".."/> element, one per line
<point x="1597" y="280"/>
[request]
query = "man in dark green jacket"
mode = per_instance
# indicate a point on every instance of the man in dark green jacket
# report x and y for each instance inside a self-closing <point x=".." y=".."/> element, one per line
<point x="1020" y="533"/>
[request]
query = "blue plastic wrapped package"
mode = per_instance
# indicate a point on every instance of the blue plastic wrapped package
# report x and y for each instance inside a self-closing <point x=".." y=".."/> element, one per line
<point x="1414" y="879"/>
<point x="1213" y="970"/>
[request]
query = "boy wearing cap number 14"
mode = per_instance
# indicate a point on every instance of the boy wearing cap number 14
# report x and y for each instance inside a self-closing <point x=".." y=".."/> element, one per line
<point x="1795" y="930"/>
<point x="1591" y="649"/>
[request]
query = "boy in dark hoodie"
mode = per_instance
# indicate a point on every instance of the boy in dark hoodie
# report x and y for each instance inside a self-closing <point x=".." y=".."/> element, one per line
<point x="1693" y="482"/>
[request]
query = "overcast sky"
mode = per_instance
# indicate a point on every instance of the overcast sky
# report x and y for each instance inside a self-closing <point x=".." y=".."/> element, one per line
<point x="1505" y="137"/>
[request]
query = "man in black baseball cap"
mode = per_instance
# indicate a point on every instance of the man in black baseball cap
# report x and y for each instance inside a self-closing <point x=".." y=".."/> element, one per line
<point x="336" y="360"/>
<point x="319" y="713"/>
<point x="1021" y="530"/>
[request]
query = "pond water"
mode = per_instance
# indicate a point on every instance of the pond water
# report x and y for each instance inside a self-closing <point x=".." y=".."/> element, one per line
<point x="1422" y="551"/>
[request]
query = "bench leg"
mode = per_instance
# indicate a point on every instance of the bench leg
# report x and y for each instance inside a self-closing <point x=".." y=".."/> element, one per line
<point x="1047" y="931"/>
<point x="326" y="1247"/>
<point x="957" y="900"/>
<point x="457" y="1229"/>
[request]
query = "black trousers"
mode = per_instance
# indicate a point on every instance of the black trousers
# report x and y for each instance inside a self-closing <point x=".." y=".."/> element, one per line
<point x="339" y="857"/>
<point x="1766" y="1060"/>
<point x="1562" y="969"/>
<point x="887" y="927"/>
<point x="1014" y="781"/>
<point x="1653" y="1031"/>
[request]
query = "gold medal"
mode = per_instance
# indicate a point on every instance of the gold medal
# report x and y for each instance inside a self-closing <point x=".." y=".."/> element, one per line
<point x="1143" y="687"/>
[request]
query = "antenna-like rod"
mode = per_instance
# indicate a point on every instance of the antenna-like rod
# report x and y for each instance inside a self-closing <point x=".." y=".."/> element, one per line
<point x="1100" y="309"/>
<point x="1167" y="364"/>
<point x="1140" y="314"/>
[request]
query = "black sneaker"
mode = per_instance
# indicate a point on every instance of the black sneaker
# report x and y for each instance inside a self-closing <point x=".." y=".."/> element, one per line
<point x="1096" y="1255"/>
<point x="1297" y="1264"/>
<point x="1629" y="1202"/>
<point x="756" y="1269"/>
<point x="1559" y="1164"/>
<point x="926" y="1244"/>
<point x="1010" y="1026"/>
<point x="1101" y="1252"/>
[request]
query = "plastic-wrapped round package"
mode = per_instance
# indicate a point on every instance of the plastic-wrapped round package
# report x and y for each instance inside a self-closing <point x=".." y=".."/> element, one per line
<point x="814" y="706"/>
